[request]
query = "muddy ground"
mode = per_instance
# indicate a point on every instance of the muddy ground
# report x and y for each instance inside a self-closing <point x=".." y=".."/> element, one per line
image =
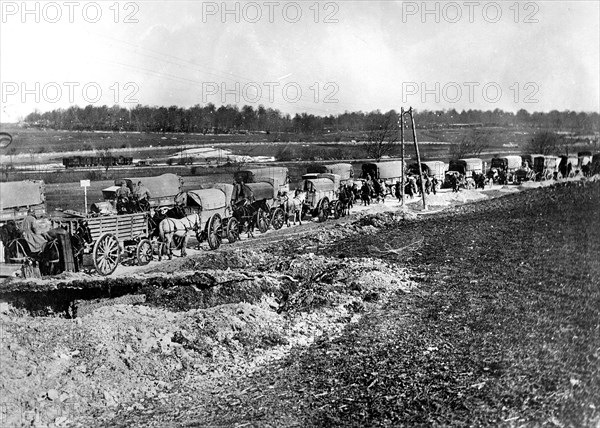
<point x="484" y="313"/>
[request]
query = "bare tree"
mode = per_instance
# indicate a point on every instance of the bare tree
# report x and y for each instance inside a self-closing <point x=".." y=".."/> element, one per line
<point x="545" y="143"/>
<point x="382" y="136"/>
<point x="471" y="144"/>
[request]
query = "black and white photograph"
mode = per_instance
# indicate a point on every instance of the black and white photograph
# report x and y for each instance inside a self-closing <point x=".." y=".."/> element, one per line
<point x="301" y="213"/>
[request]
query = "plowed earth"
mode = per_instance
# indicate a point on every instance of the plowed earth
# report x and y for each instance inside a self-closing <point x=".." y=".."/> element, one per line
<point x="484" y="314"/>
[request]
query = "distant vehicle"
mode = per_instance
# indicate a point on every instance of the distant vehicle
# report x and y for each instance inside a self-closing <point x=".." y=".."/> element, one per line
<point x="94" y="161"/>
<point x="389" y="172"/>
<point x="431" y="168"/>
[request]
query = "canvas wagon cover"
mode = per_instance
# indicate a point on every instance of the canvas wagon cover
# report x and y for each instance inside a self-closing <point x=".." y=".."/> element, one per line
<point x="514" y="161"/>
<point x="473" y="164"/>
<point x="261" y="190"/>
<point x="21" y="194"/>
<point x="161" y="186"/>
<point x="344" y="170"/>
<point x="436" y="168"/>
<point x="320" y="185"/>
<point x="207" y="199"/>
<point x="390" y="169"/>
<point x="225" y="188"/>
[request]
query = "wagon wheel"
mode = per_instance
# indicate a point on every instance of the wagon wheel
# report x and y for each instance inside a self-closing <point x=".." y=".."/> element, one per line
<point x="106" y="254"/>
<point x="213" y="232"/>
<point x="323" y="210"/>
<point x="233" y="230"/>
<point x="548" y="175"/>
<point x="337" y="209"/>
<point x="277" y="218"/>
<point x="262" y="220"/>
<point x="144" y="252"/>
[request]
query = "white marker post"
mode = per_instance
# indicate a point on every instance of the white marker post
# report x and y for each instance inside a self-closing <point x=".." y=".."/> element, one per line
<point x="85" y="184"/>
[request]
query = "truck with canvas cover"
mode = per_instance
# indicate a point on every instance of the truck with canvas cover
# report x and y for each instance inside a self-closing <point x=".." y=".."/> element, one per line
<point x="277" y="176"/>
<point x="431" y="168"/>
<point x="344" y="170"/>
<point x="163" y="189"/>
<point x="16" y="197"/>
<point x="387" y="171"/>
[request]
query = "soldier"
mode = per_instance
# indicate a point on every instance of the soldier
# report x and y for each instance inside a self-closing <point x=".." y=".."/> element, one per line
<point x="434" y="184"/>
<point x="123" y="191"/>
<point x="31" y="233"/>
<point x="141" y="192"/>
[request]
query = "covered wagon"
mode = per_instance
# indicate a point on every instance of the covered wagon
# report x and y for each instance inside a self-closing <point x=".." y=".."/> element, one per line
<point x="545" y="167"/>
<point x="212" y="206"/>
<point x="322" y="196"/>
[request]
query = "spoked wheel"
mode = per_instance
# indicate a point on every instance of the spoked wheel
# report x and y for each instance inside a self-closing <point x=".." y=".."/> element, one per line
<point x="262" y="221"/>
<point x="144" y="252"/>
<point x="233" y="230"/>
<point x="213" y="232"/>
<point x="277" y="218"/>
<point x="106" y="254"/>
<point x="337" y="209"/>
<point x="323" y="210"/>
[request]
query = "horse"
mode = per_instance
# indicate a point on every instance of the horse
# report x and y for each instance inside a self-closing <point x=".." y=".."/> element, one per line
<point x="17" y="249"/>
<point x="293" y="207"/>
<point x="346" y="198"/>
<point x="169" y="228"/>
<point x="246" y="213"/>
<point x="81" y="237"/>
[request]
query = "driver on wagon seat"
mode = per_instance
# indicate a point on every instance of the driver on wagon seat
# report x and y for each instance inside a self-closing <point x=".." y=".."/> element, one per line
<point x="32" y="234"/>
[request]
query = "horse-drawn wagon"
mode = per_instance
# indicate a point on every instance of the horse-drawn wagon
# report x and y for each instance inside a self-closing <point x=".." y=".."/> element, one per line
<point x="268" y="184"/>
<point x="545" y="167"/>
<point x="207" y="213"/>
<point x="321" y="196"/>
<point x="109" y="239"/>
<point x="503" y="169"/>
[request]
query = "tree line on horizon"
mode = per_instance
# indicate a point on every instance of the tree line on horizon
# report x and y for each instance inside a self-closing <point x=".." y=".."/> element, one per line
<point x="210" y="119"/>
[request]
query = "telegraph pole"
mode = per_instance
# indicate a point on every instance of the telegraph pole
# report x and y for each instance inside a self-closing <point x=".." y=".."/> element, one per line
<point x="414" y="132"/>
<point x="401" y="123"/>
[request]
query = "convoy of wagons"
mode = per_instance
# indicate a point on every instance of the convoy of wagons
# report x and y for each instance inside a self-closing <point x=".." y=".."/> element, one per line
<point x="115" y="236"/>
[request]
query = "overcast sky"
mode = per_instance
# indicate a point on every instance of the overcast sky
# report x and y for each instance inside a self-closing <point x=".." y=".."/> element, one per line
<point x="321" y="58"/>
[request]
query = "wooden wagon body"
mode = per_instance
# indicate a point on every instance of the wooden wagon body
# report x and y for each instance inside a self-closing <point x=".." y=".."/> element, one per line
<point x="113" y="238"/>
